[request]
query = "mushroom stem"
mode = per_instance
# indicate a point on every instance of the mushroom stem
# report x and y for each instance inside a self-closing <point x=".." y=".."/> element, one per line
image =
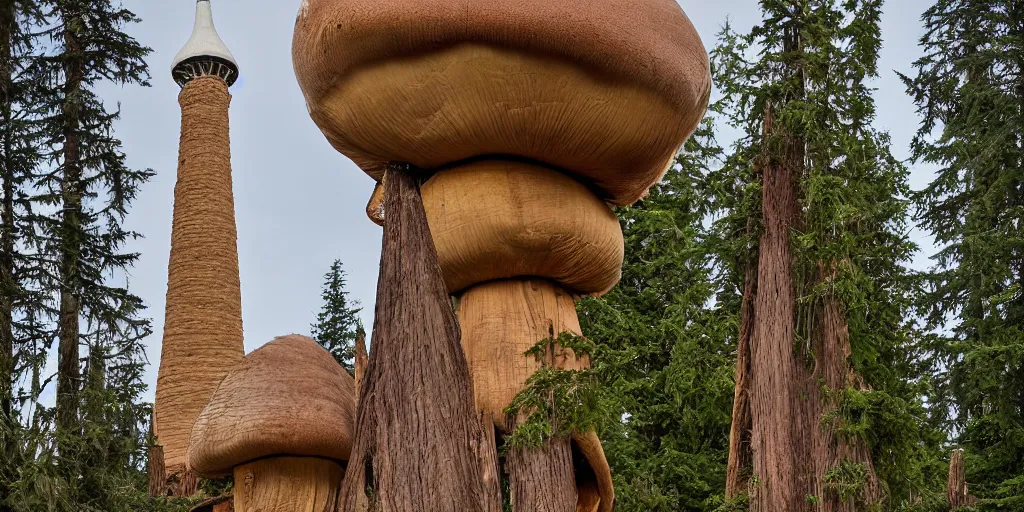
<point x="288" y="484"/>
<point x="501" y="321"/>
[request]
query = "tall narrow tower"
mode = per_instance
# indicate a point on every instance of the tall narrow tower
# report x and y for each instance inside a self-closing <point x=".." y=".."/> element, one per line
<point x="203" y="323"/>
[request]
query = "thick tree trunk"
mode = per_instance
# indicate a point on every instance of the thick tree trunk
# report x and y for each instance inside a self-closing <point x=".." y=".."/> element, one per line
<point x="202" y="338"/>
<point x="68" y="370"/>
<point x="417" y="437"/>
<point x="738" y="467"/>
<point x="156" y="471"/>
<point x="779" y="451"/>
<point x="542" y="479"/>
<point x="829" y="451"/>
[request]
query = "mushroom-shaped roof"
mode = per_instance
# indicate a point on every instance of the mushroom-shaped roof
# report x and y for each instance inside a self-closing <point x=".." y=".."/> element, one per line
<point x="606" y="89"/>
<point x="289" y="397"/>
<point x="205" y="44"/>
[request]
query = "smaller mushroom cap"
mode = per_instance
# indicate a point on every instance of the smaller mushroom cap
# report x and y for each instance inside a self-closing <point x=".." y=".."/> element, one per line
<point x="289" y="397"/>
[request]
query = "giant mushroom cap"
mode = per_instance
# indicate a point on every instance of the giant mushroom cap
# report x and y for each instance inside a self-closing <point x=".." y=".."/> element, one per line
<point x="606" y="89"/>
<point x="289" y="397"/>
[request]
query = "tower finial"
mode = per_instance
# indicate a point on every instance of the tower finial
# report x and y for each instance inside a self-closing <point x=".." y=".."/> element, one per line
<point x="205" y="54"/>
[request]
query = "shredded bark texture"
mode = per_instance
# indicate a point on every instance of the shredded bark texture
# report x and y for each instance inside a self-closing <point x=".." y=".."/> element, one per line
<point x="542" y="479"/>
<point x="417" y="444"/>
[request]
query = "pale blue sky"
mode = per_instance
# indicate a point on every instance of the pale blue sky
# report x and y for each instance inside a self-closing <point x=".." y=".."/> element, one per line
<point x="300" y="204"/>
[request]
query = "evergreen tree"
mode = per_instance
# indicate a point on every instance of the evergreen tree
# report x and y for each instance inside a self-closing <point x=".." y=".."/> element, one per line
<point x="828" y="415"/>
<point x="20" y="298"/>
<point x="337" y="324"/>
<point x="664" y="358"/>
<point x="85" y="195"/>
<point x="969" y="89"/>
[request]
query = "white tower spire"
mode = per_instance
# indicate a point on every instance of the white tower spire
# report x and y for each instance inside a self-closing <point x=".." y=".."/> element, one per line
<point x="205" y="54"/>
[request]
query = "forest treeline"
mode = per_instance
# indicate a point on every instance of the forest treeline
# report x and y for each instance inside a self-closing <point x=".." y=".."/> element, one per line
<point x="768" y="348"/>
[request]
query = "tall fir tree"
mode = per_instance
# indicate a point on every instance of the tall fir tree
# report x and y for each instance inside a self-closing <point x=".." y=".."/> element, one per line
<point x="337" y="325"/>
<point x="969" y="89"/>
<point x="86" y="194"/>
<point x="664" y="357"/>
<point x="827" y="415"/>
<point x="18" y="158"/>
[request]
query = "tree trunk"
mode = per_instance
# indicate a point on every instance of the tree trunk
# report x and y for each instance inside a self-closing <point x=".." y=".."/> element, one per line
<point x="738" y="467"/>
<point x="361" y="360"/>
<point x="956" y="485"/>
<point x="156" y="471"/>
<point x="542" y="479"/>
<point x="778" y="454"/>
<point x="829" y="451"/>
<point x="417" y="437"/>
<point x="9" y="287"/>
<point x="68" y="370"/>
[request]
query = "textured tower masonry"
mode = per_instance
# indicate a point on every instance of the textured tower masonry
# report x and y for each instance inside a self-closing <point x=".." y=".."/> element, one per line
<point x="202" y="338"/>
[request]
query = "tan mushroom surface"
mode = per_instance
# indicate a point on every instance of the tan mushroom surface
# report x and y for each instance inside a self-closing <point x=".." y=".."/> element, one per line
<point x="606" y="89"/>
<point x="498" y="219"/>
<point x="527" y="119"/>
<point x="282" y="422"/>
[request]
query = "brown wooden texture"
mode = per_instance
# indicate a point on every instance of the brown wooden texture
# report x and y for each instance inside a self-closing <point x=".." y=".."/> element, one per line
<point x="957" y="492"/>
<point x="362" y="358"/>
<point x="739" y="461"/>
<point x="417" y="436"/>
<point x="156" y="471"/>
<point x="287" y="484"/>
<point x="780" y="458"/>
<point x="542" y="479"/>
<point x="593" y="483"/>
<point x="831" y="369"/>
<point x="500" y="321"/>
<point x="203" y="327"/>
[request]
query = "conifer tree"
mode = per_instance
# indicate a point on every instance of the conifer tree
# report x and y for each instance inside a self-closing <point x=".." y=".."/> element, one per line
<point x="20" y="299"/>
<point x="826" y="414"/>
<point x="87" y="192"/>
<point x="969" y="89"/>
<point x="337" y="324"/>
<point x="664" y="358"/>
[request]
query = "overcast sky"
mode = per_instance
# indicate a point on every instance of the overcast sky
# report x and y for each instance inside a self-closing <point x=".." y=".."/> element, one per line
<point x="299" y="203"/>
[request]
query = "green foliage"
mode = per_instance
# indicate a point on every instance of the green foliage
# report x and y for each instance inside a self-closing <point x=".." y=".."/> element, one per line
<point x="554" y="402"/>
<point x="664" y="358"/>
<point x="969" y="95"/>
<point x="337" y="325"/>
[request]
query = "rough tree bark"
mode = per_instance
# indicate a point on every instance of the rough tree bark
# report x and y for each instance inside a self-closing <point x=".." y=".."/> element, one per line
<point x="777" y="455"/>
<point x="542" y="479"/>
<point x="362" y="358"/>
<point x="417" y="437"/>
<point x="68" y="371"/>
<point x="829" y="451"/>
<point x="156" y="471"/>
<point x="956" y="485"/>
<point x="739" y="435"/>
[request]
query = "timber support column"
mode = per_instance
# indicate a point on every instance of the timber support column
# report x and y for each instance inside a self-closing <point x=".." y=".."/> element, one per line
<point x="202" y="339"/>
